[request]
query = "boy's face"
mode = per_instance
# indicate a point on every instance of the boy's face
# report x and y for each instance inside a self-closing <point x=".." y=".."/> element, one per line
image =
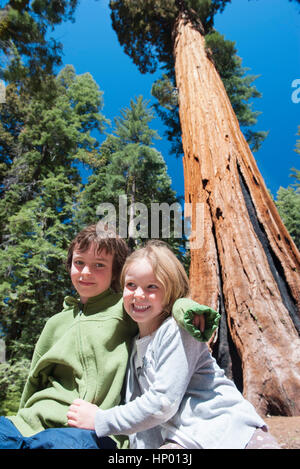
<point x="91" y="272"/>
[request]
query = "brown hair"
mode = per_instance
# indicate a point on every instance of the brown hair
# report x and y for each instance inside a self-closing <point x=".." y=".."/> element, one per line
<point x="167" y="269"/>
<point x="106" y="239"/>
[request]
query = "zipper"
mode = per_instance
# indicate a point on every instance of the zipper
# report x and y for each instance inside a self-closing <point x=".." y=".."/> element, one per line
<point x="82" y="392"/>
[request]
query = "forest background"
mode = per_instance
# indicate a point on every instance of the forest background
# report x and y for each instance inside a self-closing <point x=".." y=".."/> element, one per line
<point x="63" y="153"/>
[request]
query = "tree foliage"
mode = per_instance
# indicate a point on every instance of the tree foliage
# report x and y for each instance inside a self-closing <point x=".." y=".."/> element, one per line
<point x="145" y="28"/>
<point x="44" y="137"/>
<point x="146" y="31"/>
<point x="131" y="167"/>
<point x="24" y="25"/>
<point x="288" y="203"/>
<point x="12" y="381"/>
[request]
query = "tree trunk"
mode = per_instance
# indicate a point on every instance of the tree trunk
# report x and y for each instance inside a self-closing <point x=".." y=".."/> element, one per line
<point x="248" y="266"/>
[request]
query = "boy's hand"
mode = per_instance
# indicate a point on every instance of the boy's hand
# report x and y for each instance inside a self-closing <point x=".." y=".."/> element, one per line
<point x="81" y="414"/>
<point x="199" y="322"/>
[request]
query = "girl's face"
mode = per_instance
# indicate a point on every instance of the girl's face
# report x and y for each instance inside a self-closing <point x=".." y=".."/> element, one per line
<point x="143" y="296"/>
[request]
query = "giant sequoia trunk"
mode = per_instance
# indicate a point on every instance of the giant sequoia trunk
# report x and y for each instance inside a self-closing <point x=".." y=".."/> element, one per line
<point x="248" y="266"/>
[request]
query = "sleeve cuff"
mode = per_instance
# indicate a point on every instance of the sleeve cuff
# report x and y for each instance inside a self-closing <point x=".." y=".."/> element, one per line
<point x="183" y="312"/>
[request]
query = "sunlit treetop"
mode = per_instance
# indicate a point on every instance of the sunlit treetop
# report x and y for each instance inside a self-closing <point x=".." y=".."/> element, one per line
<point x="145" y="28"/>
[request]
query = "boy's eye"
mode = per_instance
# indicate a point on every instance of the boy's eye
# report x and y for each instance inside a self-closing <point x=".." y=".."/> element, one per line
<point x="78" y="262"/>
<point x="100" y="265"/>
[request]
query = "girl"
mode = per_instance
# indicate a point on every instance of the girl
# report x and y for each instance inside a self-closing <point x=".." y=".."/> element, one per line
<point x="176" y="394"/>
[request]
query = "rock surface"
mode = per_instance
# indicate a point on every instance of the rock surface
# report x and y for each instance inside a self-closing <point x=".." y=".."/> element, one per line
<point x="286" y="430"/>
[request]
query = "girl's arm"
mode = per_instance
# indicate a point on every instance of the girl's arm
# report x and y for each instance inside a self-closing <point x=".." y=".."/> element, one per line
<point x="176" y="356"/>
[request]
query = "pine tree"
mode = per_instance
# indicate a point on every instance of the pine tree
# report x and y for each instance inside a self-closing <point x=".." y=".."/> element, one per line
<point x="132" y="172"/>
<point x="24" y="25"/>
<point x="248" y="266"/>
<point x="288" y="203"/>
<point x="44" y="137"/>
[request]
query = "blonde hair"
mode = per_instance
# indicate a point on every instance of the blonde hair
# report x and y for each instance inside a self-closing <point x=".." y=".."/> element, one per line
<point x="166" y="267"/>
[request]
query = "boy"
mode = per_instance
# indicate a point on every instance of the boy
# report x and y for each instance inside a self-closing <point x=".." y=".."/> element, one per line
<point x="82" y="351"/>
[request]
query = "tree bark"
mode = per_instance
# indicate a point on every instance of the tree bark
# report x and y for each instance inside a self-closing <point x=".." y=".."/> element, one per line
<point x="248" y="266"/>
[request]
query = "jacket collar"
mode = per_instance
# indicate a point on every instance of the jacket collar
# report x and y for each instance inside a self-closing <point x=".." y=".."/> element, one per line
<point x="91" y="302"/>
<point x="95" y="299"/>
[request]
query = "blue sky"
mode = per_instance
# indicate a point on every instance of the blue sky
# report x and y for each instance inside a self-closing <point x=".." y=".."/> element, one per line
<point x="267" y="37"/>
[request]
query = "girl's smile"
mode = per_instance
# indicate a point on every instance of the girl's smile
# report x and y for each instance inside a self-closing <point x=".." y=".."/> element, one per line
<point x="143" y="296"/>
<point x="140" y="307"/>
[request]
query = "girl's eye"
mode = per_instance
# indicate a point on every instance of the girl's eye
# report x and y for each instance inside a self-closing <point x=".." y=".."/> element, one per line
<point x="130" y="285"/>
<point x="152" y="287"/>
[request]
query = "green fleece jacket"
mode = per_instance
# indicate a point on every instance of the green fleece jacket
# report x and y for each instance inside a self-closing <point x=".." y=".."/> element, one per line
<point x="83" y="353"/>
